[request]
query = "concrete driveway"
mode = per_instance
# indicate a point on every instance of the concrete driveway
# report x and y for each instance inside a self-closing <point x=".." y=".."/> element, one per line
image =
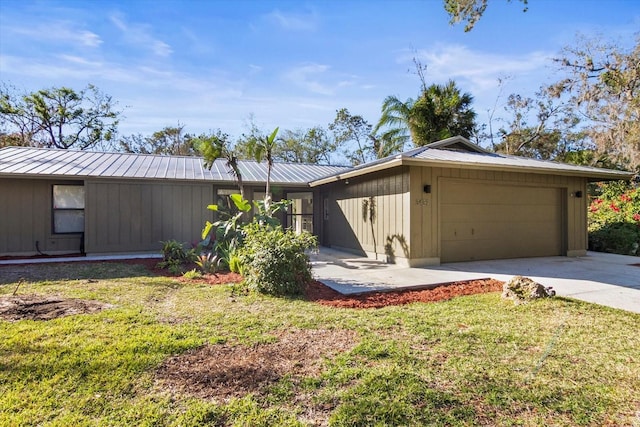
<point x="606" y="279"/>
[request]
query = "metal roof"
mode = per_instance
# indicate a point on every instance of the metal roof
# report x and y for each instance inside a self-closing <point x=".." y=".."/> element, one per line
<point x="438" y="154"/>
<point x="42" y="162"/>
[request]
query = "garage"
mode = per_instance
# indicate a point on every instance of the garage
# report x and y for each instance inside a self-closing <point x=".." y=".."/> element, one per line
<point x="496" y="221"/>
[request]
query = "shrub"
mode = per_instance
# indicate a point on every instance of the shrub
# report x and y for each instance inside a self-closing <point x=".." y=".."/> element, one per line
<point x="275" y="261"/>
<point x="614" y="221"/>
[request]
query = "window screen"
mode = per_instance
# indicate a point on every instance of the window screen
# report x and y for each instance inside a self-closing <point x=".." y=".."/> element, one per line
<point x="68" y="209"/>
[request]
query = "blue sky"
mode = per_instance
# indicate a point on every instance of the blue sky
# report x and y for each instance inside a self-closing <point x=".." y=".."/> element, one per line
<point x="213" y="64"/>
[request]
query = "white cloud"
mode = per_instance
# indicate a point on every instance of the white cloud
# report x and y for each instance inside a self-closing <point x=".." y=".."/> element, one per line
<point x="293" y="21"/>
<point x="140" y="35"/>
<point x="480" y="70"/>
<point x="58" y="31"/>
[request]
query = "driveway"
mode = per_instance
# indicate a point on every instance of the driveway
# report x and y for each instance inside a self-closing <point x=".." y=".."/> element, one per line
<point x="606" y="279"/>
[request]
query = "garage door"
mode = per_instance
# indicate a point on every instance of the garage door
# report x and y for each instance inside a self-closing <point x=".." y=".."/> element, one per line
<point x="487" y="221"/>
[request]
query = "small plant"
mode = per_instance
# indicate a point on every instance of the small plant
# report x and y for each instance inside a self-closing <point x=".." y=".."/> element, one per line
<point x="175" y="257"/>
<point x="209" y="262"/>
<point x="192" y="274"/>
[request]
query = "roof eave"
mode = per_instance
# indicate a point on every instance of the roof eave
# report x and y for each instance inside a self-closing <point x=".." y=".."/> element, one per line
<point x="591" y="175"/>
<point x="397" y="161"/>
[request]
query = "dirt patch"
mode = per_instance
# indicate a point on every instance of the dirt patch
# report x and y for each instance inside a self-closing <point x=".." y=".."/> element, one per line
<point x="322" y="294"/>
<point x="38" y="307"/>
<point x="223" y="371"/>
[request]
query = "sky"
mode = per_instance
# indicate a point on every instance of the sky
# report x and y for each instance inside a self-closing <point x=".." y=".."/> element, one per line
<point x="219" y="64"/>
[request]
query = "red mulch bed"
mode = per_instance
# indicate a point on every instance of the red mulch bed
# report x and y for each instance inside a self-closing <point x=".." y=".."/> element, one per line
<point x="322" y="294"/>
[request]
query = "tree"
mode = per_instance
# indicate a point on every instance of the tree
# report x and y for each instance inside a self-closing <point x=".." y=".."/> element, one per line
<point x="60" y="117"/>
<point x="397" y="119"/>
<point x="470" y="11"/>
<point x="168" y="141"/>
<point x="352" y="128"/>
<point x="603" y="85"/>
<point x="553" y="134"/>
<point x="311" y="146"/>
<point x="262" y="147"/>
<point x="217" y="146"/>
<point x="442" y="111"/>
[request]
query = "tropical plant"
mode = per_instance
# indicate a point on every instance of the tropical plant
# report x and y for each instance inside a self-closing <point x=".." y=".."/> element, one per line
<point x="175" y="257"/>
<point x="217" y="146"/>
<point x="262" y="148"/>
<point x="440" y="112"/>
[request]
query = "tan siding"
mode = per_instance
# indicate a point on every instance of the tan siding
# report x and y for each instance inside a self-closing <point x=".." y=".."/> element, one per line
<point x="347" y="227"/>
<point x="25" y="217"/>
<point x="137" y="216"/>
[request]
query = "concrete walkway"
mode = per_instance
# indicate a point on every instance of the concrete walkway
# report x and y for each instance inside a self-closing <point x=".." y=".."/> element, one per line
<point x="599" y="278"/>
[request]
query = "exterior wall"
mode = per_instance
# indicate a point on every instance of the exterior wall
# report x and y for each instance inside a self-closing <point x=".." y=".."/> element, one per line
<point x="348" y="225"/>
<point x="26" y="218"/>
<point x="425" y="208"/>
<point x="135" y="216"/>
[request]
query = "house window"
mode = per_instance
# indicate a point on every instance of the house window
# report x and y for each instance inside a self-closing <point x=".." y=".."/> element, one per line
<point x="68" y="209"/>
<point x="300" y="213"/>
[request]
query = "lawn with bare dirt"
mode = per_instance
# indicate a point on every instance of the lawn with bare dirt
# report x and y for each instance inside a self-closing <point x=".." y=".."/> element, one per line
<point x="120" y="344"/>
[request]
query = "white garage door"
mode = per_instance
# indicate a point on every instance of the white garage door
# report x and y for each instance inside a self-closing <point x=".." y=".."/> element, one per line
<point x="490" y="221"/>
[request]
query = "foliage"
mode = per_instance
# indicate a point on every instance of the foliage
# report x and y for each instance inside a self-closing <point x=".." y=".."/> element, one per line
<point x="175" y="257"/>
<point x="311" y="146"/>
<point x="440" y="112"/>
<point x="262" y="147"/>
<point x="352" y="128"/>
<point x="274" y="259"/>
<point x="168" y="141"/>
<point x="223" y="237"/>
<point x="601" y="84"/>
<point x="265" y="215"/>
<point x="554" y="133"/>
<point x="614" y="220"/>
<point x="470" y="11"/>
<point x="59" y="117"/>
<point x="461" y="362"/>
<point x="217" y="146"/>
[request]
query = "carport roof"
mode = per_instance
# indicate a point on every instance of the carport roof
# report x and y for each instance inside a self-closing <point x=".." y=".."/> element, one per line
<point x="52" y="163"/>
<point x="458" y="152"/>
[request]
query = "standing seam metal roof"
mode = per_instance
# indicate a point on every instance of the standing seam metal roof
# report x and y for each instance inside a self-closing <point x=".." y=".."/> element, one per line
<point x="87" y="164"/>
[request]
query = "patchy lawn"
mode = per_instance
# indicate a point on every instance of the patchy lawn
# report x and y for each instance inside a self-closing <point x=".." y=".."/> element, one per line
<point x="155" y="350"/>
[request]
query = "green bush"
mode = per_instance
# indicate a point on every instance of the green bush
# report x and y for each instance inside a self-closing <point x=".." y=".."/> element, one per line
<point x="614" y="220"/>
<point x="175" y="257"/>
<point x="274" y="261"/>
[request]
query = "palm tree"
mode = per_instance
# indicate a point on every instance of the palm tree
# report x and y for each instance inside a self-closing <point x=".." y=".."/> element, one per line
<point x="396" y="118"/>
<point x="440" y="112"/>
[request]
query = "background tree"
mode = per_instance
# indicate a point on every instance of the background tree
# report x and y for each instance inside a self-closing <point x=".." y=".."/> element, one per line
<point x="396" y="122"/>
<point x="553" y="133"/>
<point x="169" y="141"/>
<point x="311" y="146"/>
<point x="262" y="147"/>
<point x="442" y="111"/>
<point x="470" y="11"/>
<point x="348" y="128"/>
<point x="602" y="84"/>
<point x="60" y="117"/>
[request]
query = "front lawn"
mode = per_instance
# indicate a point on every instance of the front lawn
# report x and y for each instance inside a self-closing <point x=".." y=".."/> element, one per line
<point x="166" y="352"/>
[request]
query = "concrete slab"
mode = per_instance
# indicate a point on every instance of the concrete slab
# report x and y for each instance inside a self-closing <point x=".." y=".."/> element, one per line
<point x="47" y="260"/>
<point x="605" y="279"/>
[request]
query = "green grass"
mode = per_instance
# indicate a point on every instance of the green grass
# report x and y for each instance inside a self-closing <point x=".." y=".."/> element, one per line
<point x="470" y="361"/>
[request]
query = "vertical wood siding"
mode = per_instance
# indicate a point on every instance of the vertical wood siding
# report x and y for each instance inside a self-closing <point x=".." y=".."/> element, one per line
<point x="137" y="216"/>
<point x="349" y="226"/>
<point x="25" y="217"/>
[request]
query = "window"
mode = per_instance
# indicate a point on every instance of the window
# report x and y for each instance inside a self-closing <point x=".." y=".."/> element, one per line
<point x="300" y="214"/>
<point x="68" y="209"/>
